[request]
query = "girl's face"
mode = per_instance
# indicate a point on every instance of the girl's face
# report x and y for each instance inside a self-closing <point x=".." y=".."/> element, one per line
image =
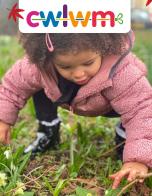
<point x="78" y="68"/>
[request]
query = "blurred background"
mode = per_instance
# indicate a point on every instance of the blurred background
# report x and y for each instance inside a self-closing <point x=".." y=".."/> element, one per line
<point x="7" y="27"/>
<point x="141" y="16"/>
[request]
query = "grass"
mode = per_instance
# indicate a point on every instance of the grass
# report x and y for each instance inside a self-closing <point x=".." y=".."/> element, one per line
<point x="79" y="166"/>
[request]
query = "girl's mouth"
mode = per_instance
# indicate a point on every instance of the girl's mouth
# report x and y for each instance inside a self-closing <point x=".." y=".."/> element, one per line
<point x="81" y="82"/>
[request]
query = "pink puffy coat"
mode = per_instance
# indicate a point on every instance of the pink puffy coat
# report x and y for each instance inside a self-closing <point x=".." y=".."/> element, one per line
<point x="120" y="84"/>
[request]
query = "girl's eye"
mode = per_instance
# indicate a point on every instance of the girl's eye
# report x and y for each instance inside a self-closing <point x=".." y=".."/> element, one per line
<point x="65" y="67"/>
<point x="89" y="63"/>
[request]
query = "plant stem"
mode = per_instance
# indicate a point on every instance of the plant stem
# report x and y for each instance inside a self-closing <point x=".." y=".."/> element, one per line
<point x="133" y="182"/>
<point x="111" y="149"/>
<point x="126" y="187"/>
<point x="72" y="151"/>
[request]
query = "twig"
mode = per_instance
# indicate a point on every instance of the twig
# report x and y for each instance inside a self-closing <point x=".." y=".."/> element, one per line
<point x="146" y="175"/>
<point x="127" y="186"/>
<point x="71" y="118"/>
<point x="30" y="186"/>
<point x="133" y="182"/>
<point x="13" y="190"/>
<point x="34" y="170"/>
<point x="32" y="179"/>
<point x="112" y="149"/>
<point x="85" y="181"/>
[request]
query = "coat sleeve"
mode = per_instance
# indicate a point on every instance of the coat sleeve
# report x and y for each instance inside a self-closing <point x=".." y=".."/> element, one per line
<point x="131" y="97"/>
<point x="18" y="84"/>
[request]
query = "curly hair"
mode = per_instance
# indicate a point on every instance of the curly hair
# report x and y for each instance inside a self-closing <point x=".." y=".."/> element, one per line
<point x="36" y="48"/>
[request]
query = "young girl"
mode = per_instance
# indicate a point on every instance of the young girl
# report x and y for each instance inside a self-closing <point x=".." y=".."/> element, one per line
<point x="91" y="75"/>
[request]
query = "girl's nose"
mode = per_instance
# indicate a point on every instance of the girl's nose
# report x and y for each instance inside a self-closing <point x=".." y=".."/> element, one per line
<point x="78" y="74"/>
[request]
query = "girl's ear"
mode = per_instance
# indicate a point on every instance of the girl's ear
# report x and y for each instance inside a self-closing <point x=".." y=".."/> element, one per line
<point x="49" y="42"/>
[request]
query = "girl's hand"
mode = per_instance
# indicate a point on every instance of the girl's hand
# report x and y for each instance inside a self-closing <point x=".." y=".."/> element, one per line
<point x="131" y="170"/>
<point x="5" y="130"/>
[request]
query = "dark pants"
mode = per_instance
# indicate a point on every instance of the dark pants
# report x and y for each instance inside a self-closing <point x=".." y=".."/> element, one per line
<point x="46" y="110"/>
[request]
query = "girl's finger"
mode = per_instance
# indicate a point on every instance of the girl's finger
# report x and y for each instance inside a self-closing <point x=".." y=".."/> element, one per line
<point x="132" y="175"/>
<point x="2" y="137"/>
<point x="119" y="177"/>
<point x="7" y="137"/>
<point x="141" y="180"/>
<point x="112" y="176"/>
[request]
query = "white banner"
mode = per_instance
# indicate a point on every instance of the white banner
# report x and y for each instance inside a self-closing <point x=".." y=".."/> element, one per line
<point x="75" y="16"/>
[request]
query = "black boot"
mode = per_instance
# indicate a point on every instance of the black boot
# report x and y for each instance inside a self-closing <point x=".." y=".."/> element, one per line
<point x="47" y="137"/>
<point x="120" y="138"/>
